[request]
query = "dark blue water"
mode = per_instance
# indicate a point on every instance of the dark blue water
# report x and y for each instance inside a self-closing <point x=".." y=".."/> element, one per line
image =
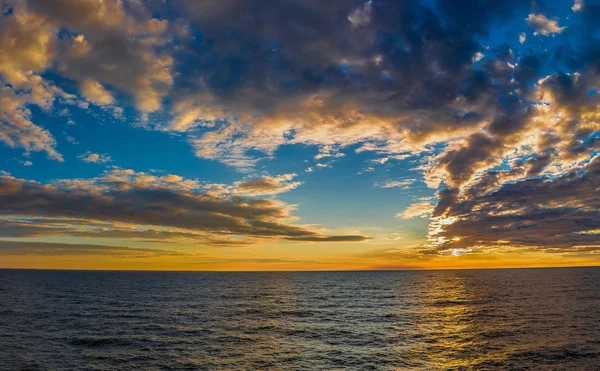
<point x="488" y="319"/>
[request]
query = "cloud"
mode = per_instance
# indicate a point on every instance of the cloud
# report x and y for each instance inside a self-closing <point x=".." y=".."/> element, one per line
<point x="403" y="183"/>
<point x="542" y="25"/>
<point x="527" y="173"/>
<point x="94" y="158"/>
<point x="95" y="93"/>
<point x="93" y="43"/>
<point x="332" y="94"/>
<point x="138" y="205"/>
<point x="16" y="127"/>
<point x="27" y="50"/>
<point x="267" y="185"/>
<point x="128" y="38"/>
<point x="361" y="16"/>
<point x="521" y="214"/>
<point x="577" y="6"/>
<point x="328" y="76"/>
<point x="34" y="50"/>
<point x="417" y="210"/>
<point x="395" y="237"/>
<point x="329" y="238"/>
<point x="28" y="227"/>
<point x="461" y="163"/>
<point x="353" y="76"/>
<point x="522" y="37"/>
<point x="60" y="249"/>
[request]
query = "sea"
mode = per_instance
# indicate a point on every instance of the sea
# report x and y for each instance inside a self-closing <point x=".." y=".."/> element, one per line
<point x="496" y="319"/>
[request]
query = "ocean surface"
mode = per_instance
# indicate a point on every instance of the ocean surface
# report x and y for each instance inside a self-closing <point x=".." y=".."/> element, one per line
<point x="528" y="319"/>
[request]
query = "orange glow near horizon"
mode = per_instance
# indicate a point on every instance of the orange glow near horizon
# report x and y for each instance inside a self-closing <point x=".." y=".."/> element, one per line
<point x="291" y="262"/>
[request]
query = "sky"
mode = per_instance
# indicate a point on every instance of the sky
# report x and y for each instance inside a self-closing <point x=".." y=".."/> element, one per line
<point x="299" y="134"/>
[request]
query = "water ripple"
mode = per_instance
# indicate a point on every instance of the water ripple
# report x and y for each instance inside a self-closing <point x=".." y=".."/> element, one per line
<point x="457" y="320"/>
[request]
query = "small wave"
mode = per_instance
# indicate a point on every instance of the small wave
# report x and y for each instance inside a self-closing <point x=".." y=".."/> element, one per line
<point x="98" y="342"/>
<point x="450" y="303"/>
<point x="195" y="331"/>
<point x="233" y="339"/>
<point x="297" y="313"/>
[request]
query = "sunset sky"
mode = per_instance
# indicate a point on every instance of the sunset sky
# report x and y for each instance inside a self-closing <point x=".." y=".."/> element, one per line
<point x="299" y="134"/>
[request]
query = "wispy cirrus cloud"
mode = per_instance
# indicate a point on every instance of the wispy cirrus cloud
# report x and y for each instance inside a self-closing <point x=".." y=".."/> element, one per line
<point x="402" y="183"/>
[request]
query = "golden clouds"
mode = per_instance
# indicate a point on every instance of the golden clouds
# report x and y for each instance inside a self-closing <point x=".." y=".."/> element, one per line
<point x="26" y="41"/>
<point x="267" y="185"/>
<point x="27" y="44"/>
<point x="95" y="93"/>
<point x="108" y="47"/>
<point x="543" y="25"/>
<point x="417" y="210"/>
<point x="94" y="158"/>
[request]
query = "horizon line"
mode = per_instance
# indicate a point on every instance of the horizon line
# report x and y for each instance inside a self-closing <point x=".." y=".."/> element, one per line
<point x="297" y="271"/>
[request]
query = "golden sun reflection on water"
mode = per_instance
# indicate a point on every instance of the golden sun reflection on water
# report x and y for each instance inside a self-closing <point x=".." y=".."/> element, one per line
<point x="443" y="323"/>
